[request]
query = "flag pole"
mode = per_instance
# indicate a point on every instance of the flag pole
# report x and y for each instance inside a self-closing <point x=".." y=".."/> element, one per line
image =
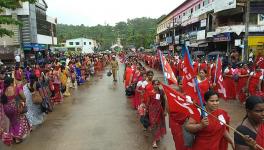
<point x="164" y="75"/>
<point x="196" y="84"/>
<point x="216" y="68"/>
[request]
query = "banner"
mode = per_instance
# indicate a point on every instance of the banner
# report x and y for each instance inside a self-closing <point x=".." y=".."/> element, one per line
<point x="168" y="73"/>
<point x="178" y="102"/>
<point x="220" y="81"/>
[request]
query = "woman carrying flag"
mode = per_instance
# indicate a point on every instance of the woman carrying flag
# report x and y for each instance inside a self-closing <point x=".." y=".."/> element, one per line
<point x="209" y="131"/>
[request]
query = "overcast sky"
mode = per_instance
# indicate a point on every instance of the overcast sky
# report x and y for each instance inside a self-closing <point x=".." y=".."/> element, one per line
<point x="93" y="12"/>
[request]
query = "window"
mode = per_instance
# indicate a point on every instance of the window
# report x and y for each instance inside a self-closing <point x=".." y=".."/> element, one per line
<point x="90" y="43"/>
<point x="184" y="14"/>
<point x="84" y="43"/>
<point x="77" y="43"/>
<point x="197" y="7"/>
<point x="71" y="43"/>
<point x="205" y="2"/>
<point x="191" y="10"/>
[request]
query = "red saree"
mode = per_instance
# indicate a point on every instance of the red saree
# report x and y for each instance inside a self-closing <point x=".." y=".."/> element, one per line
<point x="229" y="85"/>
<point x="254" y="81"/>
<point x="128" y="76"/>
<point x="176" y="120"/>
<point x="210" y="138"/>
<point x="260" y="136"/>
<point x="242" y="82"/>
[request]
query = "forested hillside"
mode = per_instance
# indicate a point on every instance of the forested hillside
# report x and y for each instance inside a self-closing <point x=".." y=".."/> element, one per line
<point x="139" y="32"/>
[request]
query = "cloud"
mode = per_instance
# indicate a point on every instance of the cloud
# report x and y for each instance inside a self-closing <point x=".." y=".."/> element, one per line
<point x="93" y="12"/>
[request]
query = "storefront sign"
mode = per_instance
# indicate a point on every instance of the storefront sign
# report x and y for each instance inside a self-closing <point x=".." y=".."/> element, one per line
<point x="177" y="39"/>
<point x="256" y="40"/>
<point x="169" y="40"/>
<point x="261" y="19"/>
<point x="203" y="23"/>
<point x="192" y="37"/>
<point x="34" y="46"/>
<point x="223" y="37"/>
<point x="201" y="35"/>
<point x="237" y="42"/>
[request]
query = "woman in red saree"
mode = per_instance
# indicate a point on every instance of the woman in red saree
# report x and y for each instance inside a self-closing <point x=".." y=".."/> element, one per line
<point x="252" y="126"/>
<point x="176" y="120"/>
<point x="254" y="81"/>
<point x="229" y="83"/>
<point x="57" y="98"/>
<point x="209" y="131"/>
<point x="139" y="90"/>
<point x="242" y="82"/>
<point x="128" y="75"/>
<point x="156" y="108"/>
<point x="204" y="84"/>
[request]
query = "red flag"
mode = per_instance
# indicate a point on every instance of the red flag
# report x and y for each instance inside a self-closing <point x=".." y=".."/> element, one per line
<point x="168" y="71"/>
<point x="178" y="102"/>
<point x="219" y="79"/>
<point x="188" y="84"/>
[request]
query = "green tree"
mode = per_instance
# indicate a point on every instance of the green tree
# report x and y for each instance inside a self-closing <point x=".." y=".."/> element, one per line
<point x="139" y="32"/>
<point x="9" y="4"/>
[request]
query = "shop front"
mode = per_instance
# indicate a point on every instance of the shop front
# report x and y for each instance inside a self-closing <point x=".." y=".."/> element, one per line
<point x="256" y="43"/>
<point x="35" y="53"/>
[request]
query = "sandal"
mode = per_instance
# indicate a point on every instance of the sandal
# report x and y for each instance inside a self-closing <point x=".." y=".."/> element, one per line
<point x="155" y="145"/>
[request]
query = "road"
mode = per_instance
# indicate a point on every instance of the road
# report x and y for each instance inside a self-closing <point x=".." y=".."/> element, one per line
<point x="98" y="116"/>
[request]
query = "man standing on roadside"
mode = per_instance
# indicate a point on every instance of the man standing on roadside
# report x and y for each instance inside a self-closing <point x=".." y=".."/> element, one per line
<point x="115" y="67"/>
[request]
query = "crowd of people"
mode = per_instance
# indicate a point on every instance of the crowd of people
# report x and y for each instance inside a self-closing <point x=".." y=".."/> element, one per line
<point x="242" y="82"/>
<point x="29" y="92"/>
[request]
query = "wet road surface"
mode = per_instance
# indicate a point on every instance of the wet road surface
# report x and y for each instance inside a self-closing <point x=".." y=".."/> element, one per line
<point x="98" y="116"/>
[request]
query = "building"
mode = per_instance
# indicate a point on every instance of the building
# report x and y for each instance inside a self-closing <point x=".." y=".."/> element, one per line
<point x="37" y="34"/>
<point x="212" y="25"/>
<point x="82" y="44"/>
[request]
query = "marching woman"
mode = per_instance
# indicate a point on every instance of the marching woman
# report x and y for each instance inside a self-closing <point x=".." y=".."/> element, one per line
<point x="128" y="75"/>
<point x="252" y="126"/>
<point x="156" y="107"/>
<point x="209" y="131"/>
<point x="139" y="89"/>
<point x="254" y="81"/>
<point x="242" y="82"/>
<point x="204" y="83"/>
<point x="57" y="97"/>
<point x="34" y="114"/>
<point x="13" y="101"/>
<point x="229" y="83"/>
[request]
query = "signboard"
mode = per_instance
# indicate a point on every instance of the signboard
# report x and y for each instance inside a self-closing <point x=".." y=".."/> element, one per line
<point x="223" y="37"/>
<point x="193" y="37"/>
<point x="34" y="46"/>
<point x="169" y="40"/>
<point x="177" y="39"/>
<point x="261" y="19"/>
<point x="203" y="23"/>
<point x="221" y="5"/>
<point x="201" y="35"/>
<point x="237" y="42"/>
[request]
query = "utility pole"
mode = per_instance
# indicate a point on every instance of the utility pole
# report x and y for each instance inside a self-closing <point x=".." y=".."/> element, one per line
<point x="247" y="15"/>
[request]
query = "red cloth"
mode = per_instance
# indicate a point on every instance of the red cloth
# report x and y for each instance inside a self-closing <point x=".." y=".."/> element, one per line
<point x="204" y="87"/>
<point x="230" y="86"/>
<point x="253" y="82"/>
<point x="210" y="137"/>
<point x="149" y="91"/>
<point x="242" y="82"/>
<point x="128" y="75"/>
<point x="176" y="121"/>
<point x="260" y="136"/>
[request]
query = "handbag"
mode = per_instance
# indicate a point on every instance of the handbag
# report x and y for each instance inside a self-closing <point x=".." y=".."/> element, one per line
<point x="145" y="120"/>
<point x="109" y="73"/>
<point x="187" y="136"/>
